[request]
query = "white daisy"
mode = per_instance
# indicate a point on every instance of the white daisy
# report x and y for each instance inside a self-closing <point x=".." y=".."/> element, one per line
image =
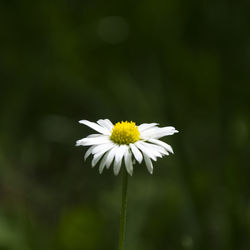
<point x="125" y="140"/>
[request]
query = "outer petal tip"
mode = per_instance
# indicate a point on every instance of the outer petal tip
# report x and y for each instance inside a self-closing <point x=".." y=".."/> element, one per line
<point x="116" y="172"/>
<point x="131" y="173"/>
<point x="78" y="143"/>
<point x="81" y="121"/>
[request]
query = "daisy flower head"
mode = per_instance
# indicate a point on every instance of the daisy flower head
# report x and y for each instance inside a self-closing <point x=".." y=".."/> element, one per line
<point x="125" y="140"/>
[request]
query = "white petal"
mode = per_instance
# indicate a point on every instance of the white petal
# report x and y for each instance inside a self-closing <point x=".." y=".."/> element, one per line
<point x="103" y="162"/>
<point x="96" y="127"/>
<point x="160" y="149"/>
<point x="163" y="144"/>
<point x="103" y="147"/>
<point x="157" y="133"/>
<point x="147" y="133"/>
<point x="149" y="164"/>
<point x="136" y="152"/>
<point x="93" y="141"/>
<point x="106" y="124"/>
<point x="146" y="126"/>
<point x="128" y="162"/>
<point x="111" y="155"/>
<point x="145" y="150"/>
<point x="154" y="149"/>
<point x="93" y="135"/>
<point x="88" y="152"/>
<point x="109" y="123"/>
<point x="165" y="132"/>
<point x="96" y="158"/>
<point x="118" y="158"/>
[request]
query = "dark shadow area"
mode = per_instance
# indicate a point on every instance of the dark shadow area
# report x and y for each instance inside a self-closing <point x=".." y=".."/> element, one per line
<point x="184" y="64"/>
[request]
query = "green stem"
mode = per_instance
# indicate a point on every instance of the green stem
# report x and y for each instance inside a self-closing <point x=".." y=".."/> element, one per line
<point x="123" y="209"/>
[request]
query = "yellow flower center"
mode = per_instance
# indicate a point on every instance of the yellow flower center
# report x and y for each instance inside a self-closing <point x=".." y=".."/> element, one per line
<point x="125" y="133"/>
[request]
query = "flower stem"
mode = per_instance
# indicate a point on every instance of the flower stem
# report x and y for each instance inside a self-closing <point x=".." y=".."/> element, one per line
<point x="123" y="209"/>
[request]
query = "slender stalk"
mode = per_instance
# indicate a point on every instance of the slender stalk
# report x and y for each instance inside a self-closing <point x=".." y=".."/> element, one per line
<point x="123" y="209"/>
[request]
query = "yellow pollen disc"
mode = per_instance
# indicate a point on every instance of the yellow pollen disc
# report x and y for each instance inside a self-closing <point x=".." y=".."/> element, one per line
<point x="125" y="133"/>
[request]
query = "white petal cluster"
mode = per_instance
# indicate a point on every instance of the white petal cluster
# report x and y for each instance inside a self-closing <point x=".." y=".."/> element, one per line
<point x="103" y="149"/>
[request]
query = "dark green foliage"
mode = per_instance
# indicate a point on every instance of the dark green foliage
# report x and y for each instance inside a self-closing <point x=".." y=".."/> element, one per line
<point x="178" y="63"/>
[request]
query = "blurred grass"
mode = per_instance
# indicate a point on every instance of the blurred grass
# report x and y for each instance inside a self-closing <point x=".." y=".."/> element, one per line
<point x="177" y="63"/>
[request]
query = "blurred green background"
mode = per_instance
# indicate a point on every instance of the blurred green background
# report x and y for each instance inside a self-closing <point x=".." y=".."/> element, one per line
<point x="179" y="63"/>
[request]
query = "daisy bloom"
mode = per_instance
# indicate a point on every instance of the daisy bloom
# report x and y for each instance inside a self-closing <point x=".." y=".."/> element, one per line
<point x="125" y="140"/>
